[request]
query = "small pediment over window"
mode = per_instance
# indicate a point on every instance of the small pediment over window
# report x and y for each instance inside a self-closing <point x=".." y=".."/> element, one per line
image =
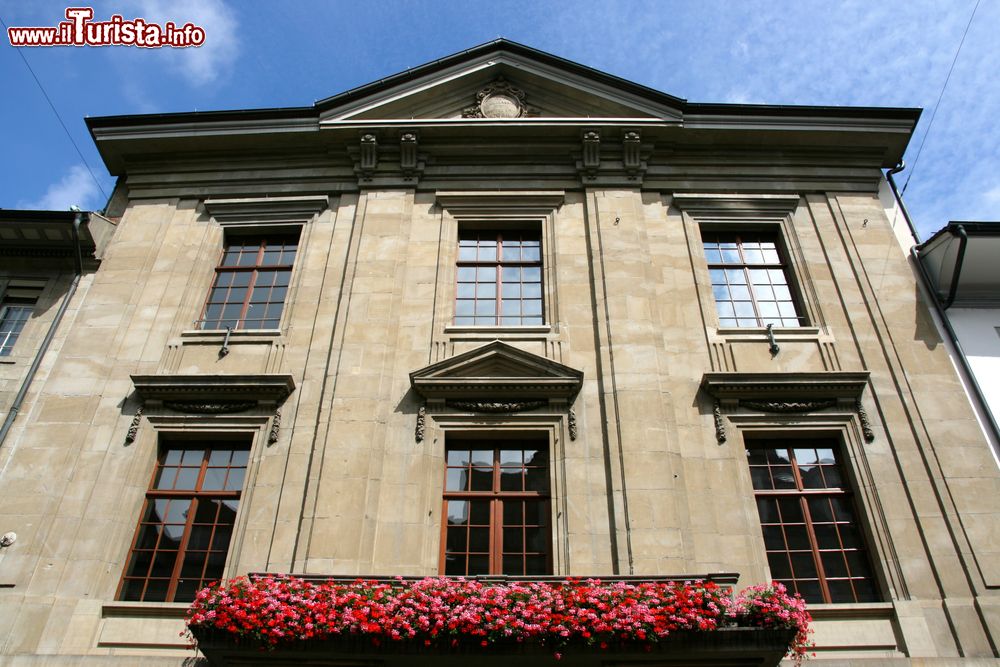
<point x="497" y="370"/>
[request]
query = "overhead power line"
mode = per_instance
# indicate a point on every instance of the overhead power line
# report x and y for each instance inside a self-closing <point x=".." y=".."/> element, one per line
<point x="937" y="105"/>
<point x="52" y="106"/>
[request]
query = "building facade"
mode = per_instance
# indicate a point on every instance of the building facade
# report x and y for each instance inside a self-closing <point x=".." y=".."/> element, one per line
<point x="501" y="314"/>
<point x="957" y="264"/>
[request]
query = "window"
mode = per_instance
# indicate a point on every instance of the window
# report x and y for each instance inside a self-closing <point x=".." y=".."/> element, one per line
<point x="14" y="313"/>
<point x="251" y="283"/>
<point x="750" y="280"/>
<point x="496" y="508"/>
<point x="16" y="307"/>
<point x="183" y="537"/>
<point x="810" y="523"/>
<point x="499" y="278"/>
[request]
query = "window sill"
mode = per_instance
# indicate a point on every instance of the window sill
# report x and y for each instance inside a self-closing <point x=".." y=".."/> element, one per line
<point x="218" y="335"/>
<point x="541" y="329"/>
<point x="760" y="333"/>
<point x="852" y="610"/>
<point x="8" y="360"/>
<point x="156" y="609"/>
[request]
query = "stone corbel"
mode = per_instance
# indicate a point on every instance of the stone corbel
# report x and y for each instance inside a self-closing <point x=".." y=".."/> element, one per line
<point x="408" y="154"/>
<point x="133" y="428"/>
<point x="720" y="424"/>
<point x="591" y="157"/>
<point x="368" y="155"/>
<point x="418" y="432"/>
<point x="632" y="153"/>
<point x="272" y="436"/>
<point x="866" y="426"/>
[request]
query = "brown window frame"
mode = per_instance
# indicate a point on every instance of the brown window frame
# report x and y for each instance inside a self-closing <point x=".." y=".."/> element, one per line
<point x="498" y="264"/>
<point x="224" y="271"/>
<point x="497" y="497"/>
<point x="855" y="554"/>
<point x="195" y="496"/>
<point x="745" y="265"/>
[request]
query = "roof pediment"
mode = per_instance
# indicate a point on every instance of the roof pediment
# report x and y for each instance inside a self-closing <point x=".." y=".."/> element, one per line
<point x="497" y="370"/>
<point x="453" y="87"/>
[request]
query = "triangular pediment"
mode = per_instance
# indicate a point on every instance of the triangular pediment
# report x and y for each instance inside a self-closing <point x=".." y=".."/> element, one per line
<point x="454" y="87"/>
<point x="497" y="370"/>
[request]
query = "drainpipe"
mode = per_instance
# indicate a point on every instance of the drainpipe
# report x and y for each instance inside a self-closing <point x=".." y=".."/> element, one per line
<point x="49" y="335"/>
<point x="939" y="308"/>
<point x="899" y="198"/>
<point x="963" y="241"/>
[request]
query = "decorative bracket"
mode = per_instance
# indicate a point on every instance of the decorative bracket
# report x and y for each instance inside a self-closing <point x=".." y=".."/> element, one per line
<point x="418" y="432"/>
<point x="133" y="428"/>
<point x="571" y="418"/>
<point x="631" y="153"/>
<point x="866" y="426"/>
<point x="408" y="153"/>
<point x="720" y="424"/>
<point x="591" y="159"/>
<point x="272" y="436"/>
<point x="368" y="157"/>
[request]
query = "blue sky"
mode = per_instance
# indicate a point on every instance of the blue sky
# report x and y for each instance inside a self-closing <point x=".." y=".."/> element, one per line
<point x="269" y="54"/>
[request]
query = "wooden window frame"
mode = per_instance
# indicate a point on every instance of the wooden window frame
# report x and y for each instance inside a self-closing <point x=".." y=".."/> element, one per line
<point x="497" y="497"/>
<point x="196" y="496"/>
<point x="499" y="264"/>
<point x="783" y="264"/>
<point x="254" y="271"/>
<point x="803" y="494"/>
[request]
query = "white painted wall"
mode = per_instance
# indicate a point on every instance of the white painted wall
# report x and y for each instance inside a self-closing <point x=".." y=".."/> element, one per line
<point x="979" y="338"/>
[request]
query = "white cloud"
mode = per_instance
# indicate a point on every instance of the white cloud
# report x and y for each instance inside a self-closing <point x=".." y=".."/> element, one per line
<point x="76" y="188"/>
<point x="992" y="196"/>
<point x="200" y="65"/>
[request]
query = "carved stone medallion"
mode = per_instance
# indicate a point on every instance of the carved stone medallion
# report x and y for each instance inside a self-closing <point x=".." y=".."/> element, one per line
<point x="498" y="100"/>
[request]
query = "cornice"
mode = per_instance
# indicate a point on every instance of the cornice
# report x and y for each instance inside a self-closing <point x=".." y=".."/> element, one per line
<point x="736" y="205"/>
<point x="208" y="389"/>
<point x="266" y="210"/>
<point x="801" y="387"/>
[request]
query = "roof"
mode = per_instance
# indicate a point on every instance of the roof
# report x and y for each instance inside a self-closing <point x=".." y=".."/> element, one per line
<point x="960" y="262"/>
<point x="415" y="97"/>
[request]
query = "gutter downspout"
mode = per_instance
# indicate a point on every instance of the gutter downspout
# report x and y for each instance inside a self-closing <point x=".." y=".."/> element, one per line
<point x="899" y="199"/>
<point x="49" y="335"/>
<point x="963" y="241"/>
<point x="939" y="308"/>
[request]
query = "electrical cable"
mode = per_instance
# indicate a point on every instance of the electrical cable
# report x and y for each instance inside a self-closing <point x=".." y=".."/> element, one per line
<point x="58" y="117"/>
<point x="937" y="105"/>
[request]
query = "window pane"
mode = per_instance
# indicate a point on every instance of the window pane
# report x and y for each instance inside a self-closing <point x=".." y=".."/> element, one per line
<point x="458" y="512"/>
<point x="511" y="479"/>
<point x="511" y="275"/>
<point x="481" y="479"/>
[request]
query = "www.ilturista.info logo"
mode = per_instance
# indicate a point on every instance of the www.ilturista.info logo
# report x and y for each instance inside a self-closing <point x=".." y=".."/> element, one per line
<point x="80" y="30"/>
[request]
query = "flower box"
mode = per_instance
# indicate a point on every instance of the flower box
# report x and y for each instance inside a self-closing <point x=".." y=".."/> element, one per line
<point x="286" y="620"/>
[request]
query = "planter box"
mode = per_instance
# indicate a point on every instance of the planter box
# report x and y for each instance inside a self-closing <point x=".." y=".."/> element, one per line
<point x="726" y="647"/>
